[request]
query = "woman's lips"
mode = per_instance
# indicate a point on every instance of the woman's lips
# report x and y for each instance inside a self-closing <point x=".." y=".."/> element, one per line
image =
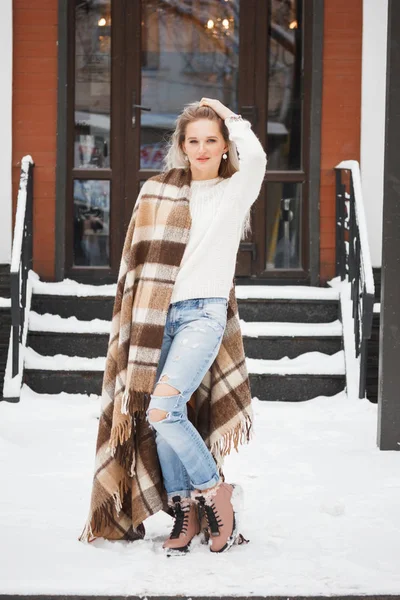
<point x="202" y="159"/>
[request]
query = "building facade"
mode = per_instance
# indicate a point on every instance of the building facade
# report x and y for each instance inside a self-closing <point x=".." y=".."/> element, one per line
<point x="92" y="89"/>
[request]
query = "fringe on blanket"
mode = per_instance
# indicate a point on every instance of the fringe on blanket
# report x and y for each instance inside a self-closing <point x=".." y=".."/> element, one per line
<point x="103" y="516"/>
<point x="133" y="401"/>
<point x="241" y="434"/>
<point x="134" y="405"/>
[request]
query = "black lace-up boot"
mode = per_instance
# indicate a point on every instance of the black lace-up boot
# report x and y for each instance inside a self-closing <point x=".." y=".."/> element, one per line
<point x="186" y="526"/>
<point x="221" y="506"/>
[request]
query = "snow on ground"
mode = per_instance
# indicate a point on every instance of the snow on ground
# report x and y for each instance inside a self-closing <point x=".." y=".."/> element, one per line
<point x="321" y="507"/>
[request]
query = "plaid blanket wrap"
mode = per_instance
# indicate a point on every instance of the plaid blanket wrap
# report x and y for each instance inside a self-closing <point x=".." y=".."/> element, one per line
<point x="127" y="484"/>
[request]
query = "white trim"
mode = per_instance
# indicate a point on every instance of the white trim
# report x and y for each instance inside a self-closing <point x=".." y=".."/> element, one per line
<point x="6" y="53"/>
<point x="374" y="47"/>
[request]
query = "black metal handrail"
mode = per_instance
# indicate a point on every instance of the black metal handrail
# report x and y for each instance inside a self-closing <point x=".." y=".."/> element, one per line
<point x="353" y="259"/>
<point x="21" y="262"/>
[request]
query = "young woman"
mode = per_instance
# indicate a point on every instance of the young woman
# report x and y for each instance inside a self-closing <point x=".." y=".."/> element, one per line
<point x="223" y="188"/>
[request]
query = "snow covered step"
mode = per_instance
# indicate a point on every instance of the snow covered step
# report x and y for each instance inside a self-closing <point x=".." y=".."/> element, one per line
<point x="285" y="292"/>
<point x="270" y="387"/>
<point x="50" y="343"/>
<point x="70" y="287"/>
<point x="307" y="310"/>
<point x="296" y="387"/>
<point x="62" y="362"/>
<point x="51" y="334"/>
<point x="311" y="363"/>
<point x="55" y="323"/>
<point x="5" y="302"/>
<point x="260" y="329"/>
<point x="256" y="303"/>
<point x="43" y="381"/>
<point x="62" y="373"/>
<point x="276" y="340"/>
<point x="308" y="376"/>
<point x="84" y="308"/>
<point x="300" y="379"/>
<point x="289" y="310"/>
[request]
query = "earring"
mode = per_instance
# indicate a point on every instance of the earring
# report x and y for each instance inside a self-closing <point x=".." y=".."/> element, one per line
<point x="224" y="156"/>
<point x="186" y="157"/>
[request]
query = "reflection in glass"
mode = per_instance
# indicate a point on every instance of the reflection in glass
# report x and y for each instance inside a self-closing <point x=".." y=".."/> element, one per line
<point x="189" y="50"/>
<point x="285" y="37"/>
<point x="92" y="83"/>
<point x="284" y="225"/>
<point x="91" y="222"/>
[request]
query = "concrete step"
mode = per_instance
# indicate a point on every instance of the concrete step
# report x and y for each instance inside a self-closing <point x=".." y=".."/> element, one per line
<point x="263" y="309"/>
<point x="260" y="340"/>
<point x="288" y="388"/>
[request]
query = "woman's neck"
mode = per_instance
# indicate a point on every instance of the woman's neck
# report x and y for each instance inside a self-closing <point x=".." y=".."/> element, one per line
<point x="204" y="176"/>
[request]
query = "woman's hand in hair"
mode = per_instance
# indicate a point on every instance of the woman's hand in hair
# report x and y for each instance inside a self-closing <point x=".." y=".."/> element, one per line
<point x="221" y="110"/>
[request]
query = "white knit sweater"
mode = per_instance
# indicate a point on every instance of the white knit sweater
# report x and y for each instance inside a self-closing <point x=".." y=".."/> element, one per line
<point x="218" y="207"/>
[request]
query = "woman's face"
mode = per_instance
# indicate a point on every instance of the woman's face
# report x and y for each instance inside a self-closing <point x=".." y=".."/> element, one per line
<point x="204" y="146"/>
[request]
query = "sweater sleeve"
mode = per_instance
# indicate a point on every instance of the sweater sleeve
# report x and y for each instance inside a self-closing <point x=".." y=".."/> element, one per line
<point x="244" y="185"/>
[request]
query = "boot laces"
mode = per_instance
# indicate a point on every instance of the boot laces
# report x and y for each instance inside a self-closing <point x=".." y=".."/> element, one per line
<point x="181" y="516"/>
<point x="213" y="519"/>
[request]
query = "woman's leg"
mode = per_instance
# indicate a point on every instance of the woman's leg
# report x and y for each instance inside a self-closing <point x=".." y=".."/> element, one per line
<point x="200" y="326"/>
<point x="175" y="477"/>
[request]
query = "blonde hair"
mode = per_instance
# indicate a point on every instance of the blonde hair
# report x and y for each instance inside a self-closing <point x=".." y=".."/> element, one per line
<point x="175" y="157"/>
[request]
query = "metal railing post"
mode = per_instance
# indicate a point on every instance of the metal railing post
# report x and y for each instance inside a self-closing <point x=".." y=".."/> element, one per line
<point x="355" y="259"/>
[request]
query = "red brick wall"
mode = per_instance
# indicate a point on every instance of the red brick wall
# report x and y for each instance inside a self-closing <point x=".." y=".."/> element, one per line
<point x="35" y="116"/>
<point x="341" y="110"/>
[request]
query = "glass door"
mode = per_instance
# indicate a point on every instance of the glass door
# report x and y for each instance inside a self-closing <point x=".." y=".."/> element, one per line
<point x="95" y="168"/>
<point x="185" y="50"/>
<point x="133" y="65"/>
<point x="280" y="231"/>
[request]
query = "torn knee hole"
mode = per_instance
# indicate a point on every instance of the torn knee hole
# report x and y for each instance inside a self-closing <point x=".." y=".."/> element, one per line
<point x="155" y="414"/>
<point x="165" y="389"/>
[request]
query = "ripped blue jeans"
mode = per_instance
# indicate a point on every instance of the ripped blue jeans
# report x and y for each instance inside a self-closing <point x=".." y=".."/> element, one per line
<point x="192" y="338"/>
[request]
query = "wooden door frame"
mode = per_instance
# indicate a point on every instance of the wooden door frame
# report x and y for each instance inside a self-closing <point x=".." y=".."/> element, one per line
<point x="312" y="127"/>
<point x="311" y="131"/>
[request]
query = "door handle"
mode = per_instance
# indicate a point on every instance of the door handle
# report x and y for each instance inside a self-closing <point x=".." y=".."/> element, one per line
<point x="135" y="107"/>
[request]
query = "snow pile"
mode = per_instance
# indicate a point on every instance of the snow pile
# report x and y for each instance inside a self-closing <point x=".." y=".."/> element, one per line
<point x="69" y="287"/>
<point x="309" y="363"/>
<point x="285" y="292"/>
<point x="276" y="329"/>
<point x="55" y="323"/>
<point x="62" y="362"/>
<point x="321" y="508"/>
